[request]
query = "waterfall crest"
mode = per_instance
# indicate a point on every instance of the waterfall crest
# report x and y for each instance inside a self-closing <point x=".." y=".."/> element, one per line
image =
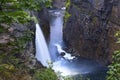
<point x="42" y="53"/>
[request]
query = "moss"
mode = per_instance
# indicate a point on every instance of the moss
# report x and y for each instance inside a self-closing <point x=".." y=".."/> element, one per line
<point x="21" y="41"/>
<point x="34" y="19"/>
<point x="10" y="72"/>
<point x="67" y="14"/>
<point x="67" y="4"/>
<point x="12" y="65"/>
<point x="66" y="17"/>
<point x="94" y="20"/>
<point x="2" y="30"/>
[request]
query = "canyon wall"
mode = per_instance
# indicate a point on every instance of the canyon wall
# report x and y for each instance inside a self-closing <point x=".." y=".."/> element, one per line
<point x="17" y="41"/>
<point x="90" y="28"/>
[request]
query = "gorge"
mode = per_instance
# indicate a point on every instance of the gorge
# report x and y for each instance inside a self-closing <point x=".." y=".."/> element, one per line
<point x="59" y="40"/>
<point x="87" y="32"/>
<point x="63" y="62"/>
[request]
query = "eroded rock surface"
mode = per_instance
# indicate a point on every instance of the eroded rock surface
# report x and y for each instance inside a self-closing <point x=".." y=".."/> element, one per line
<point x="91" y="27"/>
<point x="16" y="40"/>
<point x="58" y="4"/>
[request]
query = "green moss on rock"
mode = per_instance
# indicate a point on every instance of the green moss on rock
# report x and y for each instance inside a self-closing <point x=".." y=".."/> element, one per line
<point x="66" y="17"/>
<point x="67" y="3"/>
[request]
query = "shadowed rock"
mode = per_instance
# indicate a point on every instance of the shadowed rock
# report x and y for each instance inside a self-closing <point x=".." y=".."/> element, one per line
<point x="91" y="27"/>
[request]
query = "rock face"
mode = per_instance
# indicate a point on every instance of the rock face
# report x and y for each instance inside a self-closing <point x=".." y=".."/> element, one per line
<point x="43" y="17"/>
<point x="16" y="41"/>
<point x="58" y="4"/>
<point x="91" y="27"/>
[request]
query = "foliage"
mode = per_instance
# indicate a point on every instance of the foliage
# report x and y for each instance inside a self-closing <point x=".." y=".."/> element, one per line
<point x="94" y="20"/>
<point x="74" y="78"/>
<point x="45" y="74"/>
<point x="66" y="17"/>
<point x="67" y="14"/>
<point x="2" y="30"/>
<point x="114" y="71"/>
<point x="67" y="78"/>
<point x="18" y="10"/>
<point x="12" y="64"/>
<point x="21" y="41"/>
<point x="10" y="72"/>
<point x="67" y="3"/>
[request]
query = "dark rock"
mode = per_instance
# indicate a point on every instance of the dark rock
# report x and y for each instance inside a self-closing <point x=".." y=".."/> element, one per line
<point x="38" y="65"/>
<point x="58" y="4"/>
<point x="62" y="54"/>
<point x="18" y="42"/>
<point x="43" y="17"/>
<point x="90" y="28"/>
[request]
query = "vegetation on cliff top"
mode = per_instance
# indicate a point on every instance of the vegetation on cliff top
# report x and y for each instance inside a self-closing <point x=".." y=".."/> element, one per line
<point x="12" y="66"/>
<point x="12" y="63"/>
<point x="18" y="10"/>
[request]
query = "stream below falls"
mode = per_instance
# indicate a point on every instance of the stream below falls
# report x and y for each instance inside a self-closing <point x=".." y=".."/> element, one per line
<point x="64" y="62"/>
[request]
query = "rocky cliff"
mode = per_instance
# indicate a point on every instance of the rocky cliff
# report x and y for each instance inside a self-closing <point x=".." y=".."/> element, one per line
<point x="16" y="51"/>
<point x="91" y="26"/>
<point x="16" y="41"/>
<point x="58" y="4"/>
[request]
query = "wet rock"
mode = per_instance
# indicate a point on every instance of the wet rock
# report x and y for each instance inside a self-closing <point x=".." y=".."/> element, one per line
<point x="58" y="4"/>
<point x="43" y="17"/>
<point x="91" y="27"/>
<point x="62" y="54"/>
<point x="98" y="4"/>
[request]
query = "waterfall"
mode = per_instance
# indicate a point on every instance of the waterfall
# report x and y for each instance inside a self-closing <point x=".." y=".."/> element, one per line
<point x="42" y="53"/>
<point x="66" y="64"/>
<point x="56" y="34"/>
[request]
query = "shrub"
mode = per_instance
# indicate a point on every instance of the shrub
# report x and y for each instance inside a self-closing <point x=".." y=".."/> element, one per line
<point x="45" y="74"/>
<point x="114" y="67"/>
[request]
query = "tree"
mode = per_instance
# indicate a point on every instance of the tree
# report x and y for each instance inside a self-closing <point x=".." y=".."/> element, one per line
<point x="18" y="10"/>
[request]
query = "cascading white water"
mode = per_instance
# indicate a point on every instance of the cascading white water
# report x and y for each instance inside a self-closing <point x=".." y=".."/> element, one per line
<point x="56" y="34"/>
<point x="60" y="63"/>
<point x="42" y="53"/>
<point x="65" y="64"/>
